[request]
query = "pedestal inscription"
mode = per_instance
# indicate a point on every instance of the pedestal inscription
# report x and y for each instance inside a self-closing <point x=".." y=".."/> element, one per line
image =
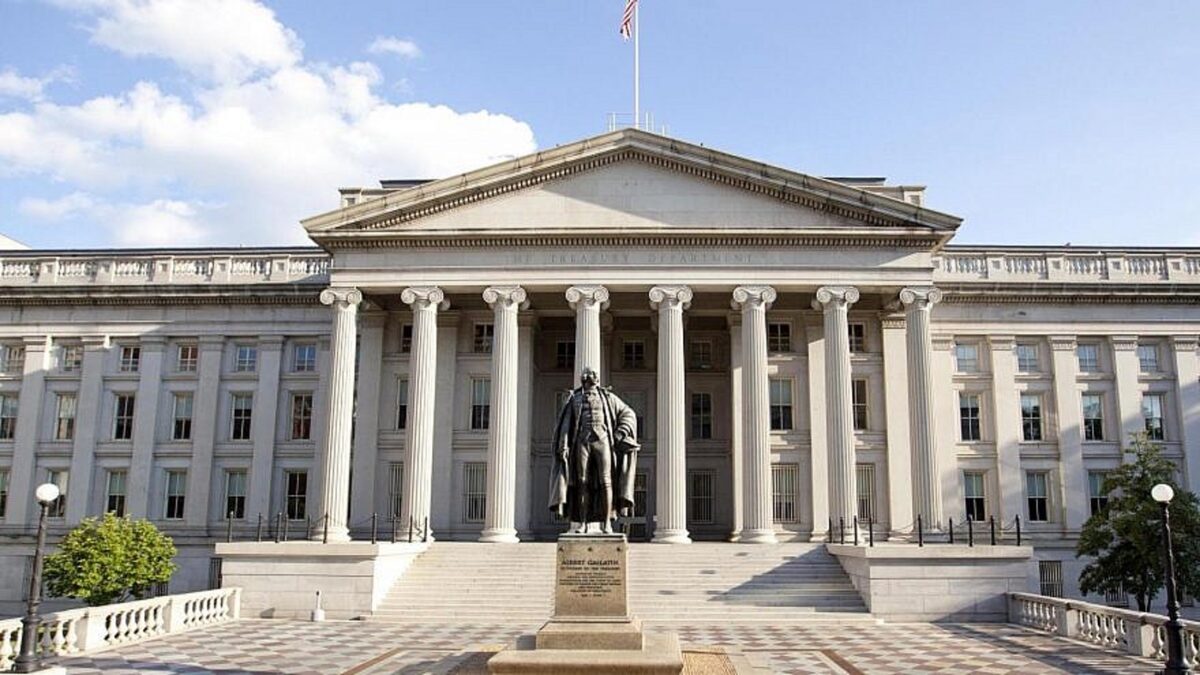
<point x="591" y="577"/>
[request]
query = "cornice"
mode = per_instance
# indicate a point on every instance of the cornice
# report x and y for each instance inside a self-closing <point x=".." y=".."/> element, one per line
<point x="1058" y="294"/>
<point x="150" y="295"/>
<point x="821" y="239"/>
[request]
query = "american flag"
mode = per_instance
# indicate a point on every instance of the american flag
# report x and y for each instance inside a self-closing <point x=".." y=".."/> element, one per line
<point x="627" y="19"/>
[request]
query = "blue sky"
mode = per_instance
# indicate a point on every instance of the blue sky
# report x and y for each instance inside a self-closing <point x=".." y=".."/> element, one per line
<point x="180" y="122"/>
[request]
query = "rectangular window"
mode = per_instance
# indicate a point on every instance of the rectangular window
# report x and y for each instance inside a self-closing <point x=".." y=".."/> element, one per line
<point x="865" y="484"/>
<point x="633" y="354"/>
<point x="181" y="422"/>
<point x="242" y="413"/>
<point x="1097" y="494"/>
<point x="61" y="478"/>
<point x="114" y="502"/>
<point x="1027" y="358"/>
<point x="1152" y="414"/>
<point x="1036" y="496"/>
<point x="858" y="404"/>
<point x="64" y="420"/>
<point x="304" y="358"/>
<point x="123" y="417"/>
<point x="700" y="497"/>
<point x="474" y="491"/>
<point x="176" y="494"/>
<point x="1093" y="417"/>
<point x="481" y="407"/>
<point x="1148" y="358"/>
<point x="14" y="359"/>
<point x="131" y="359"/>
<point x="858" y="338"/>
<point x="70" y="358"/>
<point x="781" y="405"/>
<point x="302" y="417"/>
<point x="245" y="359"/>
<point x="235" y="494"/>
<point x="1031" y="417"/>
<point x="564" y="354"/>
<point x="295" y="497"/>
<point x="968" y="417"/>
<point x="1089" y="358"/>
<point x="3" y="492"/>
<point x="1050" y="578"/>
<point x="406" y="333"/>
<point x="784" y="479"/>
<point x="702" y="354"/>
<point x="187" y="359"/>
<point x="701" y="415"/>
<point x="779" y="337"/>
<point x="396" y="488"/>
<point x="402" y="404"/>
<point x="8" y="417"/>
<point x="484" y="334"/>
<point x="966" y="357"/>
<point x="974" y="495"/>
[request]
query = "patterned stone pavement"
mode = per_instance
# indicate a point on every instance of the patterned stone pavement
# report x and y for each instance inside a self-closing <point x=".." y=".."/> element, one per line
<point x="366" y="648"/>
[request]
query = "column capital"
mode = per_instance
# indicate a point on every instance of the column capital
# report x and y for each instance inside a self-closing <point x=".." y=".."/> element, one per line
<point x="94" y="342"/>
<point x="941" y="343"/>
<point x="421" y="297"/>
<point x="670" y="296"/>
<point x="1063" y="343"/>
<point x="1185" y="343"/>
<point x="1002" y="343"/>
<point x="587" y="295"/>
<point x="1124" y="343"/>
<point x="214" y="342"/>
<point x="749" y="297"/>
<point x="835" y="297"/>
<point x="893" y="321"/>
<point x="35" y="342"/>
<point x="341" y="297"/>
<point x="271" y="342"/>
<point x="505" y="297"/>
<point x="920" y="297"/>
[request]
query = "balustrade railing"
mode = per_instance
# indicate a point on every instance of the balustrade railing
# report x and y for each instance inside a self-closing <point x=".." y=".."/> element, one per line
<point x="134" y="268"/>
<point x="1083" y="266"/>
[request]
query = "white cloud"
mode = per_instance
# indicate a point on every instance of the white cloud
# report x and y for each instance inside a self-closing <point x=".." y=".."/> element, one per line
<point x="62" y="208"/>
<point x="15" y="85"/>
<point x="393" y="45"/>
<point x="159" y="222"/>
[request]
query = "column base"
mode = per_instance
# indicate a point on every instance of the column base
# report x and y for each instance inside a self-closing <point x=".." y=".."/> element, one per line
<point x="338" y="534"/>
<point x="750" y="536"/>
<point x="671" y="537"/>
<point x="499" y="536"/>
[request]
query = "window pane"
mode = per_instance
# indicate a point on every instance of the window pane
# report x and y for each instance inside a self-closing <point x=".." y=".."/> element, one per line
<point x="302" y="417"/>
<point x="182" y="424"/>
<point x="784" y="478"/>
<point x="1027" y="358"/>
<point x="245" y="359"/>
<point x="1152" y="413"/>
<point x="1093" y="418"/>
<point x="701" y="415"/>
<point x="968" y="414"/>
<point x="123" y="418"/>
<point x="235" y="495"/>
<point x="858" y="338"/>
<point x="700" y="497"/>
<point x="305" y="358"/>
<point x="402" y="412"/>
<point x="474" y="491"/>
<point x="396" y="488"/>
<point x="481" y="392"/>
<point x="967" y="356"/>
<point x="858" y="397"/>
<point x="779" y="337"/>
<point x="296" y="496"/>
<point x="1089" y="358"/>
<point x="865" y="477"/>
<point x="1148" y="358"/>
<point x="484" y="333"/>
<point x="1031" y="417"/>
<point x="176" y="491"/>
<point x="188" y="357"/>
<point x="241" y="417"/>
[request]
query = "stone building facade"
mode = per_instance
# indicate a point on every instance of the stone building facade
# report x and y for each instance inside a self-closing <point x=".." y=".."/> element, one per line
<point x="802" y="352"/>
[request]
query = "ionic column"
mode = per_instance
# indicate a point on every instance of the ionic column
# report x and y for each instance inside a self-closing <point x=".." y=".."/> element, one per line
<point x="926" y="477"/>
<point x="422" y="387"/>
<point x="335" y="465"/>
<point x="757" y="513"/>
<point x="835" y="301"/>
<point x="587" y="301"/>
<point x="671" y="473"/>
<point x="500" y="514"/>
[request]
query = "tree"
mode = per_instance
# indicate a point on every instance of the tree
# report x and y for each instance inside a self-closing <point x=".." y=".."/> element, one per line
<point x="1125" y="537"/>
<point x="110" y="559"/>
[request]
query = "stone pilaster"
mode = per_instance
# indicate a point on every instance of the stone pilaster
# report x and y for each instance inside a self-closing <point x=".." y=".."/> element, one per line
<point x="141" y="457"/>
<point x="500" y="514"/>
<point x="335" y="481"/>
<point x="896" y="410"/>
<point x="88" y="427"/>
<point x="262" y="428"/>
<point x="23" y="479"/>
<point x="1187" y="379"/>
<point x="366" y="424"/>
<point x="204" y="431"/>
<point x="926" y="478"/>
<point x="587" y="301"/>
<point x="671" y="473"/>
<point x="1129" y="390"/>
<point x="1006" y="401"/>
<point x="757" y="512"/>
<point x="835" y="302"/>
<point x="422" y="388"/>
<point x="1069" y="412"/>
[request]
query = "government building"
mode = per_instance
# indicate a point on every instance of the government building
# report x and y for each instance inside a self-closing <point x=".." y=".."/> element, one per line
<point x="805" y="355"/>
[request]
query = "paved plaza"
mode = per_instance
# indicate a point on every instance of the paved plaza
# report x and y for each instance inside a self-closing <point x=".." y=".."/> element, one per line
<point x="260" y="647"/>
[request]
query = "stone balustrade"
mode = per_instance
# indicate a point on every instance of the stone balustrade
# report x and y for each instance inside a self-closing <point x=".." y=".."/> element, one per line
<point x="1066" y="265"/>
<point x="132" y="268"/>
<point x="1132" y="632"/>
<point x="78" y="631"/>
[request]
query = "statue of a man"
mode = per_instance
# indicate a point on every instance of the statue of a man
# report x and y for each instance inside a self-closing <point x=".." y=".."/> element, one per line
<point x="596" y="456"/>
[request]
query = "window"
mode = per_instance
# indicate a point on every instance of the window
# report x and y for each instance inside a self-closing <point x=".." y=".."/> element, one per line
<point x="858" y="403"/>
<point x="64" y="422"/>
<point x="1036" y="496"/>
<point x="13" y="359"/>
<point x="779" y="337"/>
<point x="633" y="354"/>
<point x="235" y="494"/>
<point x="304" y="358"/>
<point x="781" y="405"/>
<point x="1031" y="417"/>
<point x="123" y="417"/>
<point x="1093" y="417"/>
<point x="242" y="414"/>
<point x="858" y="338"/>
<point x="1050" y="576"/>
<point x="481" y="394"/>
<point x="131" y="359"/>
<point x="1089" y="358"/>
<point x="1152" y="413"/>
<point x="302" y="417"/>
<point x="396" y="488"/>
<point x="784" y="478"/>
<point x="700" y="497"/>
<point x="1027" y="358"/>
<point x="1148" y="358"/>
<point x="974" y="495"/>
<point x="181" y="422"/>
<point x="295" y="498"/>
<point x="701" y="415"/>
<point x="115" y="493"/>
<point x="8" y="417"/>
<point x="484" y="334"/>
<point x="967" y="357"/>
<point x="406" y="333"/>
<point x="865" y="484"/>
<point x="70" y="358"/>
<point x="176" y="494"/>
<point x="245" y="359"/>
<point x="1097" y="495"/>
<point x="968" y="416"/>
<point x="474" y="491"/>
<point x="61" y="478"/>
<point x="702" y="354"/>
<point x="3" y="492"/>
<point x="187" y="358"/>
<point x="564" y="354"/>
<point x="402" y="404"/>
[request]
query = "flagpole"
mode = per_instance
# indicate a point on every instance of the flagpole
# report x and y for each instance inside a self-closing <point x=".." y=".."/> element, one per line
<point x="637" y="29"/>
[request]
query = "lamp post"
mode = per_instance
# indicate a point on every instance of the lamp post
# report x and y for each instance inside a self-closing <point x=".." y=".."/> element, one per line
<point x="1163" y="494"/>
<point x="27" y="661"/>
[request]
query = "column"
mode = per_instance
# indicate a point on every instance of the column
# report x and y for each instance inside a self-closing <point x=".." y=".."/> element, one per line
<point x="1069" y="411"/>
<point x="366" y="423"/>
<point x="1187" y="379"/>
<point x="1129" y="389"/>
<point x="500" y="508"/>
<point x="526" y="348"/>
<point x="422" y="388"/>
<point x="87" y="427"/>
<point x="818" y="476"/>
<point x="757" y="513"/>
<point x="141" y="459"/>
<point x="587" y="301"/>
<point x="926" y="476"/>
<point x="736" y="411"/>
<point x="24" y="479"/>
<point x="263" y="430"/>
<point x="204" y="432"/>
<point x="899" y="453"/>
<point x="1007" y="403"/>
<point x="339" y="415"/>
<point x="835" y="302"/>
<point x="671" y="465"/>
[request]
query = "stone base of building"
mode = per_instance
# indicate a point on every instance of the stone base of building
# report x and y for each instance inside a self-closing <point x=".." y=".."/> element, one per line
<point x="939" y="582"/>
<point x="281" y="580"/>
<point x="660" y="654"/>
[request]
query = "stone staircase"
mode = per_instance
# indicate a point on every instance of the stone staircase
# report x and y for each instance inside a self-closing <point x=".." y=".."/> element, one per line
<point x="699" y="584"/>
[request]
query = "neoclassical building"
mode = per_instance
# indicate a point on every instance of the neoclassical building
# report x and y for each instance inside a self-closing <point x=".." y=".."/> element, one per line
<point x="802" y="352"/>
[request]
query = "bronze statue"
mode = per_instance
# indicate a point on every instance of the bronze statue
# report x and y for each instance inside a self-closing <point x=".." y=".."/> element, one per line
<point x="596" y="456"/>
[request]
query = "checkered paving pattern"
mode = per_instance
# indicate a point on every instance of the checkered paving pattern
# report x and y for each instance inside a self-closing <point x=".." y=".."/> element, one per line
<point x="367" y="648"/>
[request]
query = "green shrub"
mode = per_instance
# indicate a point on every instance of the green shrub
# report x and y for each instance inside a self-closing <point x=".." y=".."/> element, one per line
<point x="110" y="559"/>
